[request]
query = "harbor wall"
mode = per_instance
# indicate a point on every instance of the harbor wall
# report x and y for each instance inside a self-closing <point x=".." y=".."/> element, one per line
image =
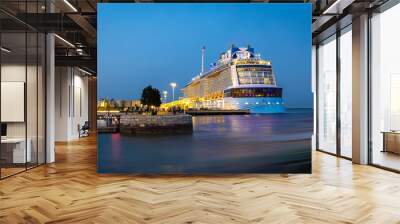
<point x="166" y="124"/>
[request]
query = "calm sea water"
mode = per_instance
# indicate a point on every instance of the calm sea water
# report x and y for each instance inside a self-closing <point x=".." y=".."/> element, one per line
<point x="268" y="143"/>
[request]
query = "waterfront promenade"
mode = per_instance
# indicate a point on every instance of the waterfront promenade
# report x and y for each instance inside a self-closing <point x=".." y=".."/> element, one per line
<point x="137" y="124"/>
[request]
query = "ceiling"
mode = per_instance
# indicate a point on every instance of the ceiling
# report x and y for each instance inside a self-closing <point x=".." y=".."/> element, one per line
<point x="75" y="22"/>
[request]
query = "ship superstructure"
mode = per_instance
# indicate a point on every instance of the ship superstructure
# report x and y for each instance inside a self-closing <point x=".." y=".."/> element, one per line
<point x="240" y="79"/>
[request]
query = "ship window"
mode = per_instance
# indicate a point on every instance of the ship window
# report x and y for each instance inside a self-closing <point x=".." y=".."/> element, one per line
<point x="253" y="92"/>
<point x="256" y="77"/>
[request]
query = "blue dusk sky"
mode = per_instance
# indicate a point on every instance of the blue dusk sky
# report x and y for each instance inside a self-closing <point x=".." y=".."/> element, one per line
<point x="156" y="44"/>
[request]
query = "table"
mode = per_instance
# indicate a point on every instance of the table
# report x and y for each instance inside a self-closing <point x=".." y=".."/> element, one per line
<point x="391" y="141"/>
<point x="19" y="154"/>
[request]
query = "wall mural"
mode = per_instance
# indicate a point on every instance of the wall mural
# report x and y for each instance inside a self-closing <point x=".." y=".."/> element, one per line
<point x="204" y="88"/>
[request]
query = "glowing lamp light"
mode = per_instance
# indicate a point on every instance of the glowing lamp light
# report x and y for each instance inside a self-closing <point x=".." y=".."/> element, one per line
<point x="5" y="50"/>
<point x="173" y="85"/>
<point x="65" y="41"/>
<point x="70" y="5"/>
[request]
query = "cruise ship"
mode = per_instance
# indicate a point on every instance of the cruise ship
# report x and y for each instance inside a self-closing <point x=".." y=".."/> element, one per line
<point x="240" y="79"/>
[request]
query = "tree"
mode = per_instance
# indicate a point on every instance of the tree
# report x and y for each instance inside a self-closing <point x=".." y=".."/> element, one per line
<point x="151" y="97"/>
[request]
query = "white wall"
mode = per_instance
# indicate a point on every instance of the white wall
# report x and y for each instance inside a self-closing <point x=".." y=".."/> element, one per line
<point x="11" y="73"/>
<point x="33" y="126"/>
<point x="14" y="73"/>
<point x="62" y="82"/>
<point x="17" y="73"/>
<point x="71" y="102"/>
<point x="80" y="105"/>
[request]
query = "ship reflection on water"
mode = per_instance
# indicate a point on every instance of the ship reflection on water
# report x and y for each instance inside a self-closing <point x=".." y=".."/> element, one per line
<point x="256" y="143"/>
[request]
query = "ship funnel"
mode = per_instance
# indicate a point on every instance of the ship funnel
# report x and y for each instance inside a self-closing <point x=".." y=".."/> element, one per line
<point x="202" y="59"/>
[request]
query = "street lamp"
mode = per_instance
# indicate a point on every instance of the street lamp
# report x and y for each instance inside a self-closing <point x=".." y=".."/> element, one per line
<point x="165" y="96"/>
<point x="173" y="85"/>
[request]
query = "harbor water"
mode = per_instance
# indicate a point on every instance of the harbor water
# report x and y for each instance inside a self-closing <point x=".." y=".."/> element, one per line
<point x="254" y="143"/>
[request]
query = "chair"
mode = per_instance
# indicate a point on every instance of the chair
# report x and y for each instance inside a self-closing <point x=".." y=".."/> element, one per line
<point x="84" y="130"/>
